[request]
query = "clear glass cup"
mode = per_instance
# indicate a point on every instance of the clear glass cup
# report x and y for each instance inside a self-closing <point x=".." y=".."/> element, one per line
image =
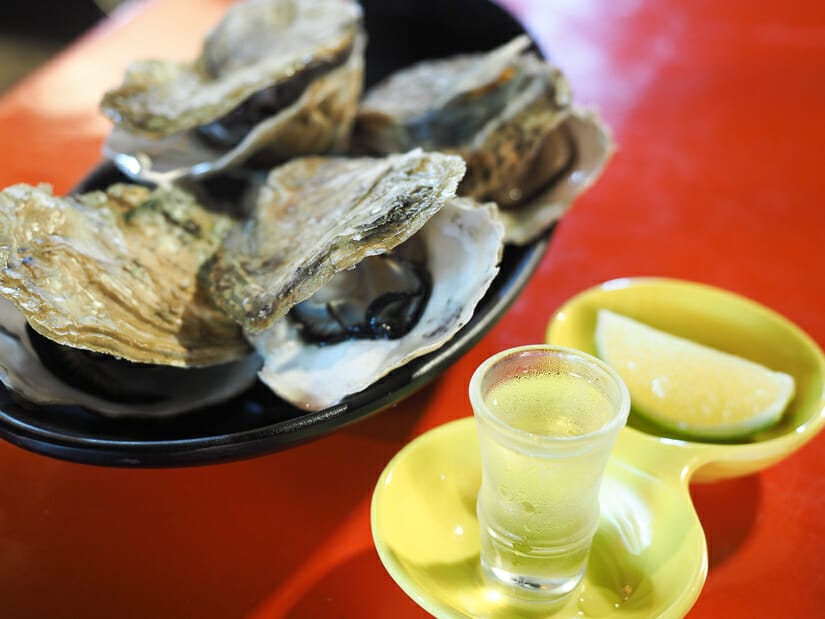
<point x="547" y="418"/>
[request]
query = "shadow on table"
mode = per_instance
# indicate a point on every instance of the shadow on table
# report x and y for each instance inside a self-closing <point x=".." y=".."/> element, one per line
<point x="727" y="510"/>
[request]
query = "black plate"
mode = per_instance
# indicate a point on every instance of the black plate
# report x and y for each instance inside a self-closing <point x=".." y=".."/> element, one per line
<point x="257" y="422"/>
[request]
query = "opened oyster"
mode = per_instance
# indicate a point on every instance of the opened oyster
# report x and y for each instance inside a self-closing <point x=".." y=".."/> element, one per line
<point x="114" y="272"/>
<point x="275" y="79"/>
<point x="349" y="268"/>
<point x="508" y="114"/>
<point x="317" y="216"/>
<point x="45" y="373"/>
<point x="459" y="247"/>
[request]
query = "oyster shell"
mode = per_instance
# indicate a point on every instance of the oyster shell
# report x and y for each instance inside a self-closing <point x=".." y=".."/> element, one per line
<point x="577" y="151"/>
<point x="317" y="216"/>
<point x="462" y="246"/>
<point x="275" y="79"/>
<point x="438" y="103"/>
<point x="116" y="272"/>
<point x="258" y="44"/>
<point x="163" y="391"/>
<point x="508" y="114"/>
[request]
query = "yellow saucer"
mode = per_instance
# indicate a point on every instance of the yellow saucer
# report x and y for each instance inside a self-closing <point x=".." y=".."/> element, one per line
<point x="723" y="320"/>
<point x="648" y="559"/>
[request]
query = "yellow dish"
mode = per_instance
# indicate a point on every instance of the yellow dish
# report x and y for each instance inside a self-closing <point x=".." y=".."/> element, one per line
<point x="725" y="321"/>
<point x="648" y="557"/>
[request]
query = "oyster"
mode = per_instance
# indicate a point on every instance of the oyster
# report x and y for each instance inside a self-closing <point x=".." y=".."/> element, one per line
<point x="577" y="151"/>
<point x="317" y="216"/>
<point x="508" y="114"/>
<point x="461" y="246"/>
<point x="275" y="79"/>
<point x="438" y="103"/>
<point x="116" y="272"/>
<point x="111" y="387"/>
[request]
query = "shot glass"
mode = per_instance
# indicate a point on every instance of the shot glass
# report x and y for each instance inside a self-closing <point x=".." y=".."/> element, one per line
<point x="547" y="418"/>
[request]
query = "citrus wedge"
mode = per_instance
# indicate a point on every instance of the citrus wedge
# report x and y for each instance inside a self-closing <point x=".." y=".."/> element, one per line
<point x="690" y="388"/>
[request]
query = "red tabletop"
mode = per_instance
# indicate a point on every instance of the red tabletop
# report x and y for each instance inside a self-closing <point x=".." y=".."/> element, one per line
<point x="717" y="109"/>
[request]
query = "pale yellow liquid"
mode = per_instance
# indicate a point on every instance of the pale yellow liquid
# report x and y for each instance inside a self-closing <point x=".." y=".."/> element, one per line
<point x="550" y="404"/>
<point x="538" y="507"/>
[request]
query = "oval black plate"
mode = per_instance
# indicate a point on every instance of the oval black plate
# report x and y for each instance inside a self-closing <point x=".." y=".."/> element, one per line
<point x="257" y="422"/>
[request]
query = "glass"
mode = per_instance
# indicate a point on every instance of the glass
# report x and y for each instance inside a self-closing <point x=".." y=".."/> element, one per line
<point x="547" y="418"/>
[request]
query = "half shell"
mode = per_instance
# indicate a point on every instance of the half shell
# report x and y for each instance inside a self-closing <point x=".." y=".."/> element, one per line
<point x="439" y="103"/>
<point x="258" y="44"/>
<point x="462" y="245"/>
<point x="317" y="216"/>
<point x="116" y="272"/>
<point x="163" y="391"/>
<point x="276" y="79"/>
<point x="508" y="114"/>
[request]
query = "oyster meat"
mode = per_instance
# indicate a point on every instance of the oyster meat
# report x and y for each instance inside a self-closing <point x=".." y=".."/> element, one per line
<point x="509" y="114"/>
<point x="320" y="215"/>
<point x="275" y="79"/>
<point x="460" y="247"/>
<point x="381" y="297"/>
<point x="116" y="272"/>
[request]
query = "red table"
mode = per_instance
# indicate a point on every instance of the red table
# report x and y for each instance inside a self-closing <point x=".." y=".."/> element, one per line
<point x="717" y="108"/>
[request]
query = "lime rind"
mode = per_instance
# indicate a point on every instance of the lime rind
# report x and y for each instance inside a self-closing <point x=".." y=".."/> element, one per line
<point x="688" y="388"/>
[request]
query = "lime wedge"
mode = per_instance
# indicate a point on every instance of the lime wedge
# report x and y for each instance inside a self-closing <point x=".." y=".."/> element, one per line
<point x="690" y="388"/>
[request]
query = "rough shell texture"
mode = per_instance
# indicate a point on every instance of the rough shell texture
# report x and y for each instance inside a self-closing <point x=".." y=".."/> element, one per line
<point x="116" y="272"/>
<point x="437" y="103"/>
<point x="259" y="43"/>
<point x="501" y="154"/>
<point x="317" y="216"/>
<point x="23" y="373"/>
<point x="319" y="121"/>
<point x="588" y="141"/>
<point x="463" y="244"/>
<point x="509" y="115"/>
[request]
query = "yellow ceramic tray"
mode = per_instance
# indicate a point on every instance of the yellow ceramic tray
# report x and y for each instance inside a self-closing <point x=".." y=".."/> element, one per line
<point x="723" y="320"/>
<point x="649" y="557"/>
